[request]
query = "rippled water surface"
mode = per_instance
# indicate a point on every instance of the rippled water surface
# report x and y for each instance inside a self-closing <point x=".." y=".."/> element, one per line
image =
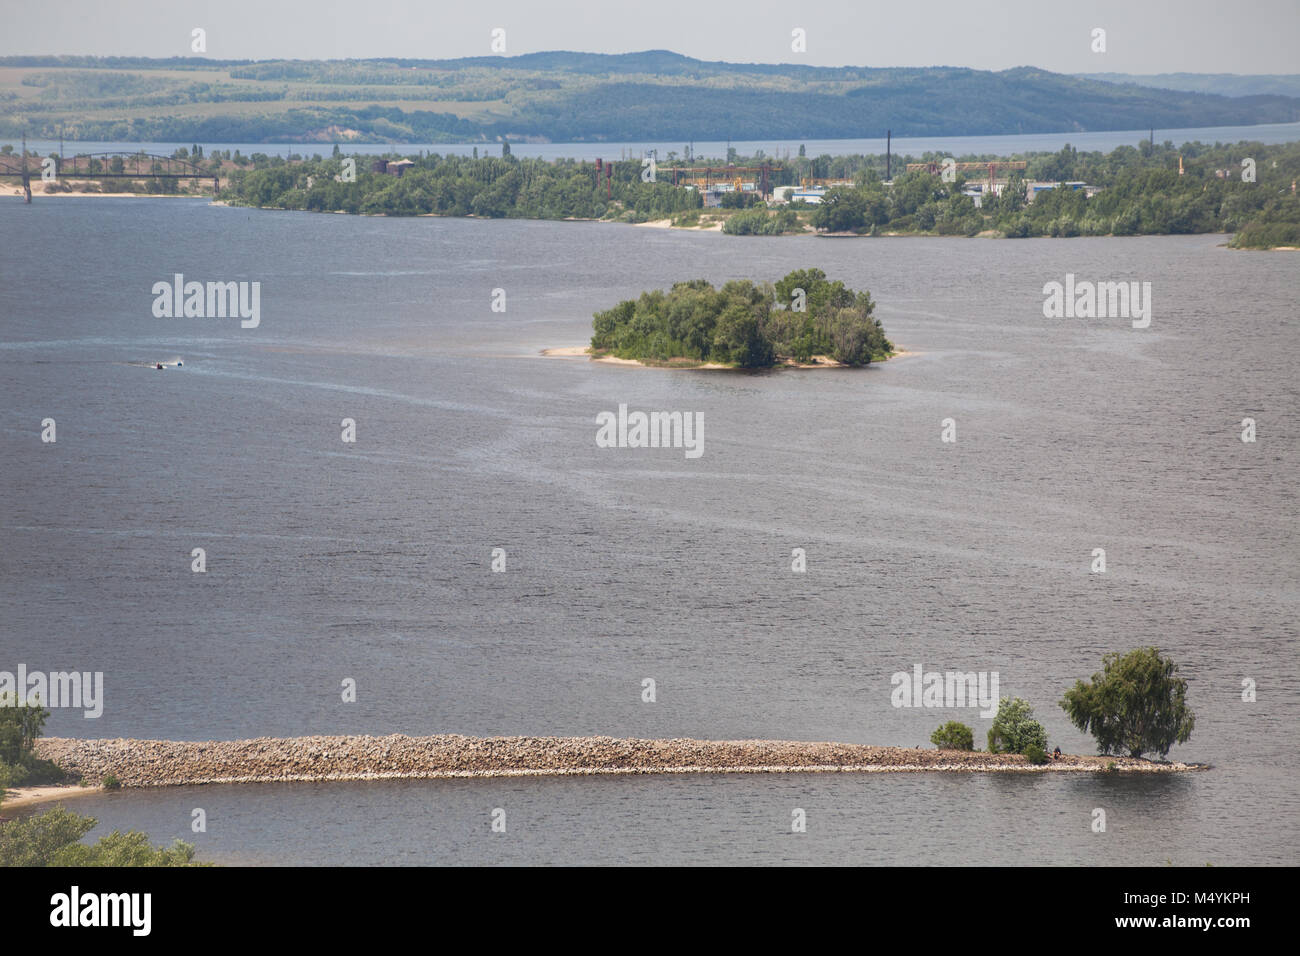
<point x="370" y="561"/>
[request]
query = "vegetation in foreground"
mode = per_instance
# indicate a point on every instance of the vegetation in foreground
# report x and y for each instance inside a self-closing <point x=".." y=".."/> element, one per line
<point x="745" y="325"/>
<point x="53" y="838"/>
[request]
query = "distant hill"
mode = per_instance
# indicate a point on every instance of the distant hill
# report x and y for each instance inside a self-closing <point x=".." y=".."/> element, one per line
<point x="566" y="96"/>
<point x="1224" y="84"/>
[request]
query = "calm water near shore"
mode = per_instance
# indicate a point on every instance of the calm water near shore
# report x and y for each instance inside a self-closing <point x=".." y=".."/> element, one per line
<point x="370" y="561"/>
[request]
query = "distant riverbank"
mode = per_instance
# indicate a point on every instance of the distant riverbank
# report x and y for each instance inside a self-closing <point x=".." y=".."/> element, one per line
<point x="160" y="763"/>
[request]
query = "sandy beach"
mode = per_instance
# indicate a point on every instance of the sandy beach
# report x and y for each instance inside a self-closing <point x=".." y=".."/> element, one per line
<point x="26" y="796"/>
<point x="39" y="193"/>
<point x="583" y="351"/>
<point x="712" y="226"/>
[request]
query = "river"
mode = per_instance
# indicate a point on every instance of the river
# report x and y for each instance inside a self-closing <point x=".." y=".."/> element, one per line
<point x="370" y="561"/>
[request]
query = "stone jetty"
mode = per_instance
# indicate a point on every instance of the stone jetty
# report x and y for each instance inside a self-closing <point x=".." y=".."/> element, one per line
<point x="159" y="763"/>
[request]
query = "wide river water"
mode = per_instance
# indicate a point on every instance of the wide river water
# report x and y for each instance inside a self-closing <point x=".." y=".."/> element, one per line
<point x="1005" y="145"/>
<point x="370" y="561"/>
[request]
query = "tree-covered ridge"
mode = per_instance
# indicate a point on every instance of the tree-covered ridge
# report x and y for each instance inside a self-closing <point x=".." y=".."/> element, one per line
<point x="744" y="324"/>
<point x="567" y="97"/>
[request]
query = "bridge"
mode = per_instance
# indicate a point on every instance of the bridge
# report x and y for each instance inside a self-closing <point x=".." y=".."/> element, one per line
<point x="935" y="168"/>
<point x="106" y="166"/>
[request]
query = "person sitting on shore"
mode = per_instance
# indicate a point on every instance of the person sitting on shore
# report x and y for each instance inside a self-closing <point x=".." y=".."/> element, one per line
<point x="1056" y="754"/>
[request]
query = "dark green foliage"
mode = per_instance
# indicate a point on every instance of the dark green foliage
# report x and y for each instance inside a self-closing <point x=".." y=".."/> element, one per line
<point x="745" y="324"/>
<point x="1035" y="754"/>
<point x="758" y="222"/>
<point x="1014" y="729"/>
<point x="51" y="839"/>
<point x="1136" y="704"/>
<point x="31" y="771"/>
<point x="492" y="188"/>
<point x="739" y="199"/>
<point x="1140" y="193"/>
<point x="19" y="727"/>
<point x="111" y="782"/>
<point x="953" y="736"/>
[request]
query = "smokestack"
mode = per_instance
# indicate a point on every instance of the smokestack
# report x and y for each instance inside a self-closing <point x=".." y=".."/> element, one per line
<point x="889" y="135"/>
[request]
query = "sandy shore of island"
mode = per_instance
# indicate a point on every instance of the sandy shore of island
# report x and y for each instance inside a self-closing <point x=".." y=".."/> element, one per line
<point x="26" y="796"/>
<point x="161" y="763"/>
<point x="583" y="351"/>
<point x="712" y="226"/>
<point x="38" y="193"/>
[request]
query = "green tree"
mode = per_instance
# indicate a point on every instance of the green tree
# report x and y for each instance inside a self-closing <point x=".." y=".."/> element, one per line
<point x="19" y="727"/>
<point x="1137" y="703"/>
<point x="842" y="209"/>
<point x="1014" y="728"/>
<point x="36" y="841"/>
<point x="953" y="736"/>
<point x="739" y="336"/>
<point x="51" y="839"/>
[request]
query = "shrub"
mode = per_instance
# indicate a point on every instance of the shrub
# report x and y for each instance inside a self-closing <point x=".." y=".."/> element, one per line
<point x="31" y="771"/>
<point x="50" y="839"/>
<point x="1014" y="728"/>
<point x="111" y="782"/>
<point x="953" y="736"/>
<point x="1035" y="754"/>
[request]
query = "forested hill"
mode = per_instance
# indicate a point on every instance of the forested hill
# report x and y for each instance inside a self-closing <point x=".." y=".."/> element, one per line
<point x="573" y="97"/>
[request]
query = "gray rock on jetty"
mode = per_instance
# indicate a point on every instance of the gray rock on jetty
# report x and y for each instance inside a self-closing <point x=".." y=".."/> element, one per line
<point x="157" y="763"/>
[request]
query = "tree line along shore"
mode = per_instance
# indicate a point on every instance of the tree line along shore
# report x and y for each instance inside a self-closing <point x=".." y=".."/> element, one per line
<point x="1247" y="189"/>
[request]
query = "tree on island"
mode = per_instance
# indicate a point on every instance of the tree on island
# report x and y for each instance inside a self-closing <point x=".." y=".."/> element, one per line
<point x="953" y="736"/>
<point x="1014" y="729"/>
<point x="745" y="324"/>
<point x="1136" y="704"/>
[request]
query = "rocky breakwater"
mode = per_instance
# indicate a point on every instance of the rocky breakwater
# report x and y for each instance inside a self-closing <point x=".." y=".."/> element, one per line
<point x="155" y="763"/>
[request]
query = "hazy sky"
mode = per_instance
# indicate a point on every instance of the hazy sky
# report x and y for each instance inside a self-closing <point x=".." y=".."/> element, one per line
<point x="1142" y="36"/>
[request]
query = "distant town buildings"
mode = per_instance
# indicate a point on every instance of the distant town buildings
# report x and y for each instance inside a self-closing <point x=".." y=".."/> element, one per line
<point x="393" y="167"/>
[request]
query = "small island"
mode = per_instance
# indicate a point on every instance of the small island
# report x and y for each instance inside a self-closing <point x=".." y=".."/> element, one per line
<point x="804" y="319"/>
